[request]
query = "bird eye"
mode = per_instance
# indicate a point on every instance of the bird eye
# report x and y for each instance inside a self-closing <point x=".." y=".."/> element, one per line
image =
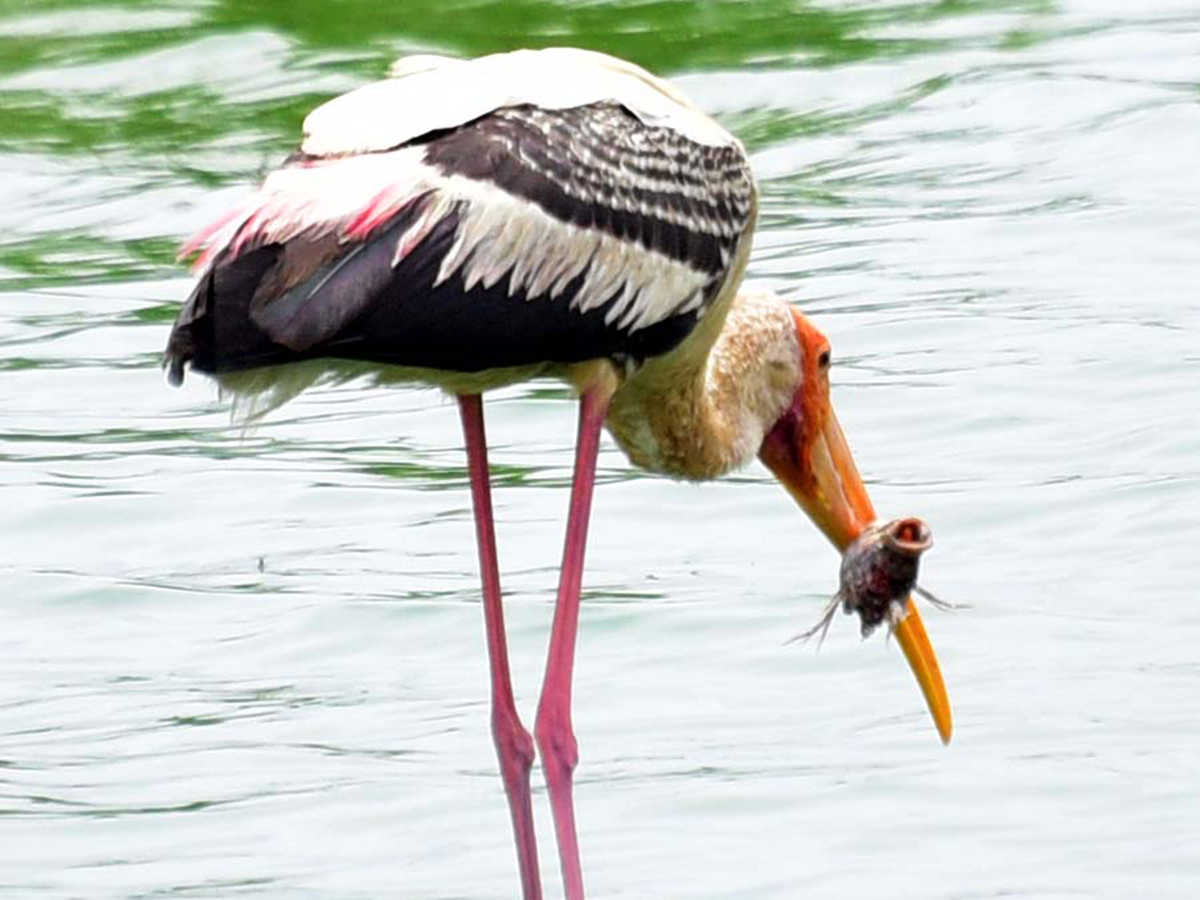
<point x="823" y="359"/>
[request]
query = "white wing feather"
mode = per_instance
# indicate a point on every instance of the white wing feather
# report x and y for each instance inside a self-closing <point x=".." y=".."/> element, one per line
<point x="429" y="93"/>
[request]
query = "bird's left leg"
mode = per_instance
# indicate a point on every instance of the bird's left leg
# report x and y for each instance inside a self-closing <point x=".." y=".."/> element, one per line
<point x="555" y="737"/>
<point x="514" y="747"/>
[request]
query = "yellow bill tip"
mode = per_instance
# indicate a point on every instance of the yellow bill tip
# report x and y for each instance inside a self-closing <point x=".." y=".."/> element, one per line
<point x="910" y="634"/>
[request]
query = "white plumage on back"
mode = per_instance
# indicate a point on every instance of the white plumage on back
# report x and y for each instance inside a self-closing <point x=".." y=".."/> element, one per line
<point x="430" y="93"/>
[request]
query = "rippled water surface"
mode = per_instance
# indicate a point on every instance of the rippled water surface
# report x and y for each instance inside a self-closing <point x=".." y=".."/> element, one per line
<point x="251" y="664"/>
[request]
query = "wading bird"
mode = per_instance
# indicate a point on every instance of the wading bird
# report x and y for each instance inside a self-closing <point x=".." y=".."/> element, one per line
<point x="562" y="213"/>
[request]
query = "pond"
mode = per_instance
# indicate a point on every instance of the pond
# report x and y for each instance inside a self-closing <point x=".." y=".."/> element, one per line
<point x="250" y="663"/>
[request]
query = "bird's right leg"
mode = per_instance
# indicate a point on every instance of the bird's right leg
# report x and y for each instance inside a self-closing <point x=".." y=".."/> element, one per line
<point x="514" y="746"/>
<point x="555" y="736"/>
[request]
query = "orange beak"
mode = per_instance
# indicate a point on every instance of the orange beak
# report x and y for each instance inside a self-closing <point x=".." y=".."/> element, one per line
<point x="807" y="451"/>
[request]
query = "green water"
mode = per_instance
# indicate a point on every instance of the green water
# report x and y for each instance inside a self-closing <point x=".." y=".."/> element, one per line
<point x="251" y="664"/>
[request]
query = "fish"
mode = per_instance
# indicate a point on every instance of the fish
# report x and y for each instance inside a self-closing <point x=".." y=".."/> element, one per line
<point x="878" y="573"/>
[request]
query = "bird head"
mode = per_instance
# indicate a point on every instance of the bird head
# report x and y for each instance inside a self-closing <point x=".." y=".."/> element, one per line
<point x="806" y="450"/>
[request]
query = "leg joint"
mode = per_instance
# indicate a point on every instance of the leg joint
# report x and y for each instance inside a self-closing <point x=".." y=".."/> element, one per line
<point x="556" y="739"/>
<point x="512" y="740"/>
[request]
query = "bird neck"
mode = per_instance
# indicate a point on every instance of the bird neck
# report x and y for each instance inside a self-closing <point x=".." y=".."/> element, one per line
<point x="690" y="414"/>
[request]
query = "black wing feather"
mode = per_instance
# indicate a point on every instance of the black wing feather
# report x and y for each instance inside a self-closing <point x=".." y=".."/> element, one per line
<point x="595" y="167"/>
<point x="360" y="307"/>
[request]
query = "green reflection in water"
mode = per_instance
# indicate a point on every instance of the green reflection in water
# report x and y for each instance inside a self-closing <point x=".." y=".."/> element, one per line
<point x="94" y="98"/>
<point x="83" y="256"/>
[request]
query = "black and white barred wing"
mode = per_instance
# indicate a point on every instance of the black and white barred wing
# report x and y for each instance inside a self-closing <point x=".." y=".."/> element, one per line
<point x="526" y="235"/>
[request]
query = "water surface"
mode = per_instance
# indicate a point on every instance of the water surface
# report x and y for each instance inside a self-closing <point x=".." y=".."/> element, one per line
<point x="251" y="664"/>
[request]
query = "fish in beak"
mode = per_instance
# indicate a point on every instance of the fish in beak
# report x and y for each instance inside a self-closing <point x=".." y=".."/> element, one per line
<point x="807" y="451"/>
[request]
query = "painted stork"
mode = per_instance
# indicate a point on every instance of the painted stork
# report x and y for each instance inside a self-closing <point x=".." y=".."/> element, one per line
<point x="562" y="213"/>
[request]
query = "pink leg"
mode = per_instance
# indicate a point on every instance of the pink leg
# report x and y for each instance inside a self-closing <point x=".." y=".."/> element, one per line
<point x="555" y="737"/>
<point x="514" y="746"/>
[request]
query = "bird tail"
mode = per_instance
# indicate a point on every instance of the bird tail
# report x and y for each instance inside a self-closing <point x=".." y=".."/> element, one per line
<point x="213" y="332"/>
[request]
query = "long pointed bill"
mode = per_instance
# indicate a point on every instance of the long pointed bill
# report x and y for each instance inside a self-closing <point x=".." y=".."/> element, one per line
<point x="807" y="451"/>
<point x="910" y="634"/>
